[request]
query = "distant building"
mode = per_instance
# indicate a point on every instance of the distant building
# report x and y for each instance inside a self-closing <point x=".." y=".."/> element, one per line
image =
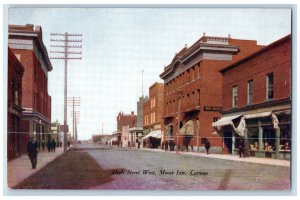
<point x="193" y="90"/>
<point x="257" y="102"/>
<point x="140" y="111"/>
<point x="16" y="142"/>
<point x="26" y="42"/>
<point x="126" y="140"/>
<point x="136" y="133"/>
<point x="153" y="110"/>
<point x="126" y="120"/>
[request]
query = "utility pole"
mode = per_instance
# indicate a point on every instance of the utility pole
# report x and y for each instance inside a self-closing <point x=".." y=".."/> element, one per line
<point x="77" y="115"/>
<point x="65" y="44"/>
<point x="74" y="101"/>
<point x="142" y="83"/>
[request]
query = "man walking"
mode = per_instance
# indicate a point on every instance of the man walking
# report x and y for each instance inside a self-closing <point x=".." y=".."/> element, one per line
<point x="207" y="146"/>
<point x="32" y="151"/>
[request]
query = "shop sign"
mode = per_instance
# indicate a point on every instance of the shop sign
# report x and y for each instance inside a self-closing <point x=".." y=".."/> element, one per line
<point x="212" y="108"/>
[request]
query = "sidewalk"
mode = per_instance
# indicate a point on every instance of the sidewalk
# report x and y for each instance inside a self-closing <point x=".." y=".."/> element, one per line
<point x="266" y="161"/>
<point x="20" y="168"/>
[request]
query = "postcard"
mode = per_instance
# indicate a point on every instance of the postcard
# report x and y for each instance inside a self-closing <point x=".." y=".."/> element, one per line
<point x="149" y="98"/>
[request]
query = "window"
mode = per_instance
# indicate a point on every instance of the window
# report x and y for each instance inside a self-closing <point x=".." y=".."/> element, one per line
<point x="198" y="97"/>
<point x="234" y="96"/>
<point x="188" y="100"/>
<point x="270" y="87"/>
<point x="198" y="71"/>
<point x="152" y="102"/>
<point x="193" y="75"/>
<point x="167" y="108"/>
<point x="17" y="97"/>
<point x="250" y="92"/>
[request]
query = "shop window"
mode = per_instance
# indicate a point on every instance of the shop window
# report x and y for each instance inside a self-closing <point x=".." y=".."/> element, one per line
<point x="270" y="86"/>
<point x="250" y="92"/>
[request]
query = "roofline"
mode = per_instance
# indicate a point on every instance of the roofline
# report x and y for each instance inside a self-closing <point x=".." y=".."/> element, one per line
<point x="262" y="50"/>
<point x="41" y="46"/>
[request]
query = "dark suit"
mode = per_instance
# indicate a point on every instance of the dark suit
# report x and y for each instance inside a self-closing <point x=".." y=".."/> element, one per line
<point x="32" y="152"/>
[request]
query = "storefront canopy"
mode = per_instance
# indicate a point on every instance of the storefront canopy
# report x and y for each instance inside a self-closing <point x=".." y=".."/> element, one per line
<point x="187" y="129"/>
<point x="258" y="115"/>
<point x="155" y="134"/>
<point x="225" y="120"/>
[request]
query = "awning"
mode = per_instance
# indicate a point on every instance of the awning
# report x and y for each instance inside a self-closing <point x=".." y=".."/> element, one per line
<point x="258" y="115"/>
<point x="225" y="120"/>
<point x="187" y="129"/>
<point x="155" y="134"/>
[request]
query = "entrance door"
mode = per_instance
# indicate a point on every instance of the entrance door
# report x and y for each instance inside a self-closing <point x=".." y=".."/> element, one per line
<point x="228" y="141"/>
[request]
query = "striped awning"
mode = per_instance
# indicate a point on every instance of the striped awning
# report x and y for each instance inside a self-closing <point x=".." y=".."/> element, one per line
<point x="187" y="129"/>
<point x="225" y="120"/>
<point x="155" y="134"/>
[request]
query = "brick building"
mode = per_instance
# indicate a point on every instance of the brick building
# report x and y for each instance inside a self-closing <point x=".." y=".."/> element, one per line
<point x="193" y="88"/>
<point x="153" y="110"/>
<point x="124" y="123"/>
<point x="15" y="138"/>
<point x="257" y="102"/>
<point x="27" y="44"/>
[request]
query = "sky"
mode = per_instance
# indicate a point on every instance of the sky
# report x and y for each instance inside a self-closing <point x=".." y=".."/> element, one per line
<point x="118" y="43"/>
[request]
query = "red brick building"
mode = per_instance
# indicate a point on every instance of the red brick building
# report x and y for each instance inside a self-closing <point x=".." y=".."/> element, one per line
<point x="124" y="123"/>
<point x="257" y="97"/>
<point x="153" y="111"/>
<point x="193" y="88"/>
<point x="126" y="120"/>
<point x="14" y="110"/>
<point x="27" y="44"/>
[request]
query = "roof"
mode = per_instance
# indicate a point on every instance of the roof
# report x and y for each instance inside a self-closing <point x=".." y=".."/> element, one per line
<point x="264" y="49"/>
<point x="204" y="43"/>
<point x="28" y="31"/>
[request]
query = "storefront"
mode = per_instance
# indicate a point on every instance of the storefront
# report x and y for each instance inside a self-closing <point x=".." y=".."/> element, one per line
<point x="152" y="139"/>
<point x="264" y="134"/>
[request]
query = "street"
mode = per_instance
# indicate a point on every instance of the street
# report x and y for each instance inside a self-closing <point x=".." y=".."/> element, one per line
<point x="169" y="171"/>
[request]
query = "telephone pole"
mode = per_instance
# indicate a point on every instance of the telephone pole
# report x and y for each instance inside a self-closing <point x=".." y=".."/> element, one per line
<point x="74" y="101"/>
<point x="76" y="121"/>
<point x="64" y="43"/>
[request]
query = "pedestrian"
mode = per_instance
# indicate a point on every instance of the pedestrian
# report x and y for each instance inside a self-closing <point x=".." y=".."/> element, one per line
<point x="207" y="146"/>
<point x="43" y="145"/>
<point x="241" y="148"/>
<point x="49" y="145"/>
<point x="53" y="145"/>
<point x="166" y="145"/>
<point x="32" y="152"/>
<point x="68" y="144"/>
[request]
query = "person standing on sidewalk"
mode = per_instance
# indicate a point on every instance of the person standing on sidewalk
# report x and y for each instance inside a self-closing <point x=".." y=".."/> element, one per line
<point x="241" y="148"/>
<point x="32" y="152"/>
<point x="53" y="145"/>
<point x="207" y="146"/>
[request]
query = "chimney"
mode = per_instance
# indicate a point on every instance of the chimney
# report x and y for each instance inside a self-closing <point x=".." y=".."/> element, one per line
<point x="132" y="113"/>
